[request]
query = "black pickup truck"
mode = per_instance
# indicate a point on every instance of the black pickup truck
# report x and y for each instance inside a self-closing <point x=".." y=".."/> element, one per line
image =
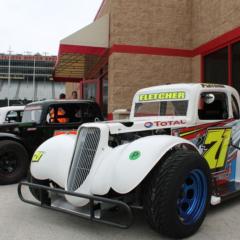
<point x="41" y="120"/>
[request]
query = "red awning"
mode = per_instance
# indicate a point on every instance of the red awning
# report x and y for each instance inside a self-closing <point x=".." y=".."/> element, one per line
<point x="82" y="50"/>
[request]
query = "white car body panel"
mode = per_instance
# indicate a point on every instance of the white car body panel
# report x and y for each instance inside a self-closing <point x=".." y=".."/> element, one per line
<point x="121" y="174"/>
<point x="56" y="159"/>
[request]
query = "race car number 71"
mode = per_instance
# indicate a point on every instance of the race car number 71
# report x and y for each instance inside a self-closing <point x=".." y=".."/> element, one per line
<point x="216" y="146"/>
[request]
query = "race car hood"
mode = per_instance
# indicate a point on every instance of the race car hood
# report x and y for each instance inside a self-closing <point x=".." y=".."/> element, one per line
<point x="118" y="127"/>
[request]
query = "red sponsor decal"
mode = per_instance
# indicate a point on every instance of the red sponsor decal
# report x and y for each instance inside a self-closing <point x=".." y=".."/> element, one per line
<point x="56" y="133"/>
<point x="193" y="132"/>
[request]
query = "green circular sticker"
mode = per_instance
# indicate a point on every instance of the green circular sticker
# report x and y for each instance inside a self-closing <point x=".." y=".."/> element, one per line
<point x="134" y="155"/>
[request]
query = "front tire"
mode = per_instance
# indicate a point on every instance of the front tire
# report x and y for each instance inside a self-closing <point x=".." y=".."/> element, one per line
<point x="177" y="194"/>
<point x="14" y="162"/>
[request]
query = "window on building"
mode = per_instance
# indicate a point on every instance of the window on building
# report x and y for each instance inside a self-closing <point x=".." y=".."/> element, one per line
<point x="216" y="67"/>
<point x="222" y="66"/>
<point x="90" y="91"/>
<point x="105" y="96"/>
<point x="236" y="66"/>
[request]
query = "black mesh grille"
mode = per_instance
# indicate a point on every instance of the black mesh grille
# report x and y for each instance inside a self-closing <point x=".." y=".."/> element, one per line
<point x="88" y="140"/>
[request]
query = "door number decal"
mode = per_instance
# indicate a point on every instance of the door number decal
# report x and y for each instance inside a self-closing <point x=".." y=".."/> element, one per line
<point x="215" y="146"/>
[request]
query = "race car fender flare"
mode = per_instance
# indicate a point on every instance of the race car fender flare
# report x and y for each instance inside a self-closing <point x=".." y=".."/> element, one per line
<point x="123" y="168"/>
<point x="52" y="159"/>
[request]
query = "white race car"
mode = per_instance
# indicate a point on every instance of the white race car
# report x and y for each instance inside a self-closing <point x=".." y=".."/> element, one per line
<point x="11" y="114"/>
<point x="176" y="154"/>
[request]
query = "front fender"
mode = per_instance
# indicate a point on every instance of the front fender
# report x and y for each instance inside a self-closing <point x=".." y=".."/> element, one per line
<point x="56" y="158"/>
<point x="122" y="172"/>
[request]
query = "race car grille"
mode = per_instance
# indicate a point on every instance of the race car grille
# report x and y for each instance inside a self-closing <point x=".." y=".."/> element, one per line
<point x="86" y="147"/>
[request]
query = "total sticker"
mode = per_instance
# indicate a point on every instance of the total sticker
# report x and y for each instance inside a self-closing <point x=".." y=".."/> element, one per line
<point x="148" y="124"/>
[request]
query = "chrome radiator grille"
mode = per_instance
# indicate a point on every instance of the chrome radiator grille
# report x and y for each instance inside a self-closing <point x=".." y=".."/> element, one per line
<point x="88" y="140"/>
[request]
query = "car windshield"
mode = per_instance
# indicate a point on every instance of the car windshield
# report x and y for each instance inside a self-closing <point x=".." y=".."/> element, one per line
<point x="161" y="108"/>
<point x="32" y="114"/>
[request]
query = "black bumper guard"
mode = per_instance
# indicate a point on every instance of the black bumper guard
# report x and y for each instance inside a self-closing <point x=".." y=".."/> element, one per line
<point x="92" y="200"/>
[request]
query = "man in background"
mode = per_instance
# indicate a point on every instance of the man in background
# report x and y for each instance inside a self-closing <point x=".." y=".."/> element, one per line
<point x="62" y="96"/>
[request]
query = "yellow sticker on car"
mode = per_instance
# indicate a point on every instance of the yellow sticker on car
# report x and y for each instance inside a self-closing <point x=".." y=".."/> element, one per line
<point x="162" y="96"/>
<point x="216" y="145"/>
<point x="37" y="156"/>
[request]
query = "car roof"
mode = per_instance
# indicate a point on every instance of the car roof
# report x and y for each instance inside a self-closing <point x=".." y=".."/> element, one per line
<point x="46" y="103"/>
<point x="187" y="86"/>
<point x="12" y="108"/>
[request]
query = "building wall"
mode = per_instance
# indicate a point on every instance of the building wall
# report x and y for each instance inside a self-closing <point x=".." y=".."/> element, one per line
<point x="130" y="72"/>
<point x="211" y="19"/>
<point x="153" y="23"/>
<point x="166" y="24"/>
<point x="174" y="24"/>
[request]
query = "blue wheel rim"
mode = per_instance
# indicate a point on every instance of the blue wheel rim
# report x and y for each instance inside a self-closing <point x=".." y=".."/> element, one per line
<point x="192" y="198"/>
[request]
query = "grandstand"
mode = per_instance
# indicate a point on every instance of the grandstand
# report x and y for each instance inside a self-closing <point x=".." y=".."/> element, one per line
<point x="29" y="78"/>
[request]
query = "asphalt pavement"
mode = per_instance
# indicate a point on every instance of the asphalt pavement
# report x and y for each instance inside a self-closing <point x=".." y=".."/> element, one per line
<point x="20" y="221"/>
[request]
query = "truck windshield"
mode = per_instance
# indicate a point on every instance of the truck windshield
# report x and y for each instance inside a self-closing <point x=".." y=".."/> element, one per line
<point x="161" y="108"/>
<point x="32" y="114"/>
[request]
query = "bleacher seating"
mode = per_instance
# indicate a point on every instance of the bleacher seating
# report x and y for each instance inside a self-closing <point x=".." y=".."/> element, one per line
<point x="20" y="89"/>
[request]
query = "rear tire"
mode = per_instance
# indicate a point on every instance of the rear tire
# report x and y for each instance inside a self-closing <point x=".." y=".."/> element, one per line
<point x="14" y="162"/>
<point x="177" y="194"/>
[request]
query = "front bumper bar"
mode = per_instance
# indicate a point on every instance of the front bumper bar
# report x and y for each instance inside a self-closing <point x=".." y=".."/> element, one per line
<point x="92" y="200"/>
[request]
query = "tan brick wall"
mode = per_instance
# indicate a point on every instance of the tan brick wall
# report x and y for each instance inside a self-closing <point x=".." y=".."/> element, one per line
<point x="130" y="72"/>
<point x="156" y="23"/>
<point x="171" y="23"/>
<point x="212" y="18"/>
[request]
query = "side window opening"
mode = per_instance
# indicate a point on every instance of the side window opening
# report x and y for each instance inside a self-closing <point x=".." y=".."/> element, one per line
<point x="213" y="106"/>
<point x="235" y="107"/>
<point x="12" y="116"/>
<point x="68" y="113"/>
<point x="57" y="114"/>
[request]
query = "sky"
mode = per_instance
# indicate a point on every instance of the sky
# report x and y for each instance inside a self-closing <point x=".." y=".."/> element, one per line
<point x="37" y="26"/>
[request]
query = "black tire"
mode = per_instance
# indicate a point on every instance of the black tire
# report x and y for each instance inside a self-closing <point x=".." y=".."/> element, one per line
<point x="165" y="194"/>
<point x="14" y="162"/>
<point x="40" y="195"/>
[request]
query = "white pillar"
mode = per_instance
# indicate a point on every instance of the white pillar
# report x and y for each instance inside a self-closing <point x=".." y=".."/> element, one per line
<point x="34" y="63"/>
<point x="9" y="75"/>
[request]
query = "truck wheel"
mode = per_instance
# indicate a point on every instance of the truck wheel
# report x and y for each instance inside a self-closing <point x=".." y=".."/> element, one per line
<point x="14" y="162"/>
<point x="177" y="194"/>
<point x="37" y="192"/>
